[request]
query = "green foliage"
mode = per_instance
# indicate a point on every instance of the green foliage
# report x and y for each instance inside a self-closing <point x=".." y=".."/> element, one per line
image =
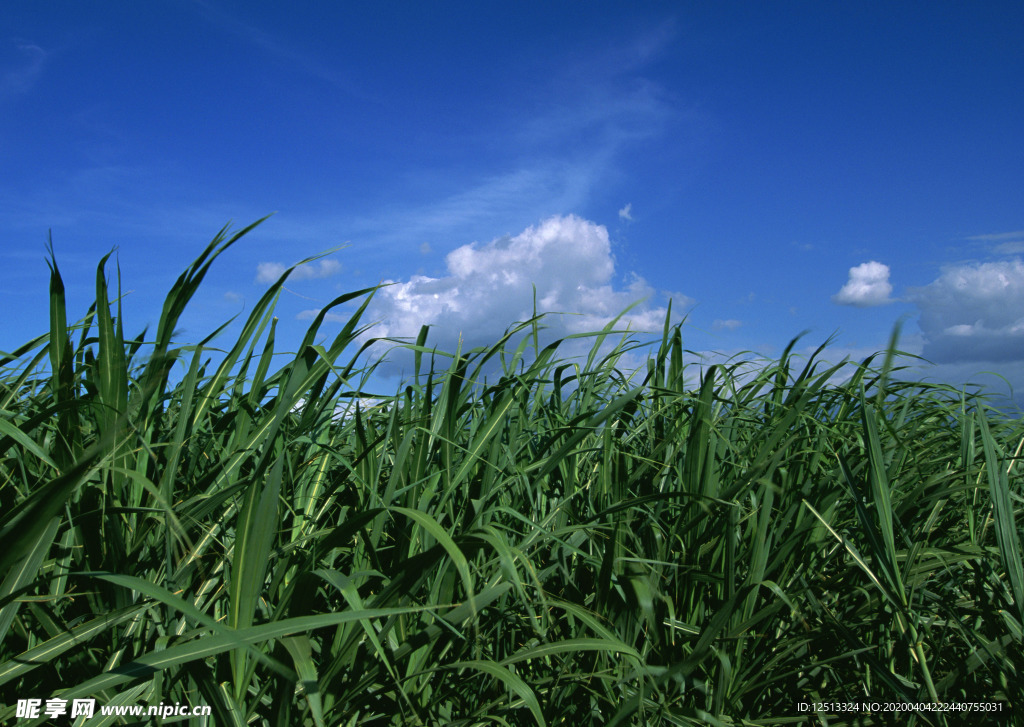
<point x="562" y="544"/>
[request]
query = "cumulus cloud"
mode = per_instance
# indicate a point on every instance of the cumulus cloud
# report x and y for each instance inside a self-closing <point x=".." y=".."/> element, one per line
<point x="867" y="286"/>
<point x="269" y="272"/>
<point x="626" y="213"/>
<point x="490" y="286"/>
<point x="974" y="312"/>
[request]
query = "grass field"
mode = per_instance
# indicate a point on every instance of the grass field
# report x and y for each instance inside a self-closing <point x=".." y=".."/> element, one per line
<point x="558" y="543"/>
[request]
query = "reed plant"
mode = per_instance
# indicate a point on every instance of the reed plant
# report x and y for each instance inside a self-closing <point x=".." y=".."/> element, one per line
<point x="513" y="537"/>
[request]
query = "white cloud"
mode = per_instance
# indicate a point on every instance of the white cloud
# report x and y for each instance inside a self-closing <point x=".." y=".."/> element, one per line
<point x="679" y="300"/>
<point x="974" y="312"/>
<point x="626" y="212"/>
<point x="1012" y="247"/>
<point x="999" y="236"/>
<point x="490" y="286"/>
<point x="271" y="271"/>
<point x="867" y="286"/>
<point x="1002" y="243"/>
<point x="730" y="324"/>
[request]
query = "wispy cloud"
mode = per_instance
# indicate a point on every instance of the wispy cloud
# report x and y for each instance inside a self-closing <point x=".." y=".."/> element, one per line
<point x="730" y="324"/>
<point x="270" y="272"/>
<point x="275" y="46"/>
<point x="558" y="149"/>
<point x="998" y="236"/>
<point x="497" y="196"/>
<point x="868" y="285"/>
<point x="1011" y="247"/>
<point x="1002" y="243"/>
<point x="21" y="74"/>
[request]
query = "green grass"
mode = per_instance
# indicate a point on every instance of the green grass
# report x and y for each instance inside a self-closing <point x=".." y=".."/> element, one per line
<point x="558" y="543"/>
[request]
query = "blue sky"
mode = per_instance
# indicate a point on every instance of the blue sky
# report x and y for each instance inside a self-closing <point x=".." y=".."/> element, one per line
<point x="771" y="167"/>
